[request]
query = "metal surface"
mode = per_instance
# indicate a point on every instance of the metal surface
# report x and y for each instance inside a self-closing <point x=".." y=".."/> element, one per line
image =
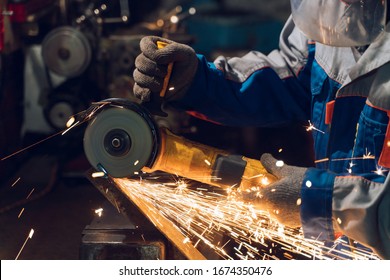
<point x="66" y="51"/>
<point x="115" y="236"/>
<point x="120" y="198"/>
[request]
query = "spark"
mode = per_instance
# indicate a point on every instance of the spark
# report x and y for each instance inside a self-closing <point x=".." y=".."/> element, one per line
<point x="69" y="128"/>
<point x="208" y="219"/>
<point x="181" y="186"/>
<point x="28" y="196"/>
<point x="98" y="174"/>
<point x="30" y="235"/>
<point x="321" y="160"/>
<point x="30" y="146"/>
<point x="136" y="162"/>
<point x="71" y="121"/>
<point x="280" y="150"/>
<point x="279" y="163"/>
<point x="308" y="184"/>
<point x="20" y="213"/>
<point x="380" y="171"/>
<point x="349" y="169"/>
<point x="99" y="212"/>
<point x="86" y="116"/>
<point x="117" y="206"/>
<point x="368" y="155"/>
<point x="207" y="162"/>
<point x="312" y="127"/>
<point x="14" y="183"/>
<point x="264" y="181"/>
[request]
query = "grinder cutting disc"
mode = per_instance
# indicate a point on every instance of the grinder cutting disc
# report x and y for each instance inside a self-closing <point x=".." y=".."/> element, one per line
<point x="119" y="141"/>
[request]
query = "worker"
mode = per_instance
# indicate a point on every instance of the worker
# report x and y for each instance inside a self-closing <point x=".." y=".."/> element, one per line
<point x="332" y="69"/>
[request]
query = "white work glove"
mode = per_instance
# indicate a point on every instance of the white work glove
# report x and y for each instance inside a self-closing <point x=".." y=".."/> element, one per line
<point x="151" y="69"/>
<point x="281" y="198"/>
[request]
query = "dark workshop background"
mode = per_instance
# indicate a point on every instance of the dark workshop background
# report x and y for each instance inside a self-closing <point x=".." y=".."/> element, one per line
<point x="42" y="185"/>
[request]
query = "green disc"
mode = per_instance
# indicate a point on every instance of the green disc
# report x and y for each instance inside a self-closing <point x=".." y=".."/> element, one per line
<point x="119" y="141"/>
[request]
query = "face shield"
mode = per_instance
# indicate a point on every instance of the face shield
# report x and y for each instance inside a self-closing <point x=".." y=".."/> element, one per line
<point x="339" y="23"/>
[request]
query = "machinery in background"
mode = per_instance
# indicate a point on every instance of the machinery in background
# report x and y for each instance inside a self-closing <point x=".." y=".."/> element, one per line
<point x="87" y="54"/>
<point x="78" y="51"/>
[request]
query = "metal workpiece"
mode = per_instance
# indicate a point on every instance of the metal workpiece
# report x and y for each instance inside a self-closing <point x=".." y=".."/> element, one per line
<point x="122" y="231"/>
<point x="144" y="219"/>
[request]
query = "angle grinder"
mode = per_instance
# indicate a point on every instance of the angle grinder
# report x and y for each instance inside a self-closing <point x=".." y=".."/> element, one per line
<point x="122" y="139"/>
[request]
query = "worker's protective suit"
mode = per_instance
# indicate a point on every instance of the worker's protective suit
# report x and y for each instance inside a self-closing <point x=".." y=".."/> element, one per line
<point x="343" y="91"/>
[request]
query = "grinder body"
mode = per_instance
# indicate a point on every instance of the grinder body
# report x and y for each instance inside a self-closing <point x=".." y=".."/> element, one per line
<point x="199" y="162"/>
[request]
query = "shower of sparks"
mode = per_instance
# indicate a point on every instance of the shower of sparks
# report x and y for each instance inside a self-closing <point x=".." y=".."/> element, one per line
<point x="85" y="116"/>
<point x="30" y="235"/>
<point x="99" y="212"/>
<point x="312" y="127"/>
<point x="215" y="222"/>
<point x="352" y="162"/>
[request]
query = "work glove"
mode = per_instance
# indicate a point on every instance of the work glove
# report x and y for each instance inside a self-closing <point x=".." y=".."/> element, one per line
<point x="151" y="69"/>
<point x="282" y="199"/>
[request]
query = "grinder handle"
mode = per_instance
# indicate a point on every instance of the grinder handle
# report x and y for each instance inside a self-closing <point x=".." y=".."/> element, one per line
<point x="161" y="45"/>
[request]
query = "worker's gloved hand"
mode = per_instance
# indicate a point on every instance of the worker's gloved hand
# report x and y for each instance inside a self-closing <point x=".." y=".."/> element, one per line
<point x="151" y="69"/>
<point x="281" y="198"/>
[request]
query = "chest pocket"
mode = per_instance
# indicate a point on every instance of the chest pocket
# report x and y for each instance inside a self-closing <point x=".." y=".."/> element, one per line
<point x="369" y="143"/>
